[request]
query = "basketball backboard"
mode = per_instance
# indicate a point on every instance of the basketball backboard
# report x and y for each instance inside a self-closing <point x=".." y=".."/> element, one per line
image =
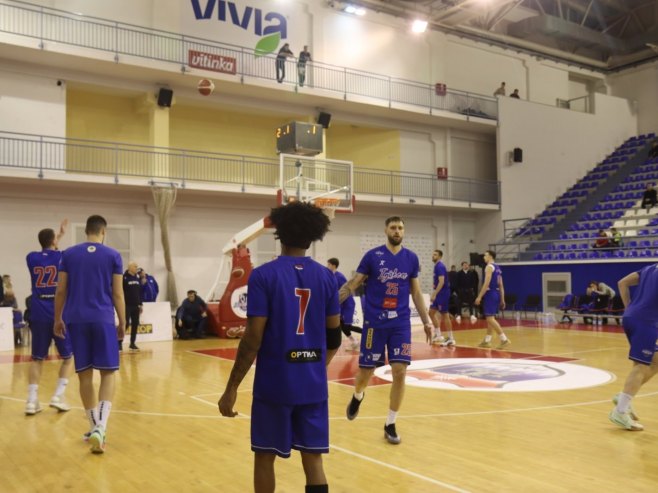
<point x="326" y="183"/>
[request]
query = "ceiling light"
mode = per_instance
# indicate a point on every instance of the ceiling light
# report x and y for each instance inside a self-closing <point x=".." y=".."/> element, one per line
<point x="352" y="9"/>
<point x="419" y="26"/>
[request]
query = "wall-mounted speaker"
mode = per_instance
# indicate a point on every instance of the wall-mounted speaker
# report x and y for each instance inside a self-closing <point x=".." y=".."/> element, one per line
<point x="518" y="155"/>
<point x="164" y="97"/>
<point x="324" y="119"/>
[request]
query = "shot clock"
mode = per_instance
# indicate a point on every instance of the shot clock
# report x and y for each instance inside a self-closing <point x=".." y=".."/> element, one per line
<point x="304" y="139"/>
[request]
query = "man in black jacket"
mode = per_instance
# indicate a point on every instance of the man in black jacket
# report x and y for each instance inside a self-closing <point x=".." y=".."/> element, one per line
<point x="466" y="283"/>
<point x="132" y="292"/>
<point x="191" y="316"/>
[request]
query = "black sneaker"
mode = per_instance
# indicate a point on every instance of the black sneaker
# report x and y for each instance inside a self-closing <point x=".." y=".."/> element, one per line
<point x="391" y="435"/>
<point x="353" y="407"/>
<point x="133" y="347"/>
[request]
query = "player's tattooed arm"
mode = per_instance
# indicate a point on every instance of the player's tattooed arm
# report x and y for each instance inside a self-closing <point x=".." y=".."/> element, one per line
<point x="347" y="289"/>
<point x="247" y="351"/>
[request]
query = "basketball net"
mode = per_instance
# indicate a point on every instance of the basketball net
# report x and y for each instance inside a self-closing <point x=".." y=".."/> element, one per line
<point x="328" y="205"/>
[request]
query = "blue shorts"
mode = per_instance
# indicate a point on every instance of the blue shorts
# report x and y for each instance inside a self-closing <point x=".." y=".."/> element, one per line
<point x="491" y="303"/>
<point x="441" y="302"/>
<point x="43" y="336"/>
<point x="643" y="336"/>
<point x="278" y="428"/>
<point x="374" y="341"/>
<point x="94" y="346"/>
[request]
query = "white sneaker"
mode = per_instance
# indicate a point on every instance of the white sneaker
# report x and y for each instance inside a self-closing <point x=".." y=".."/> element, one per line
<point x="625" y="421"/>
<point x="32" y="407"/>
<point x="458" y="319"/>
<point x="438" y="340"/>
<point x="59" y="403"/>
<point x="97" y="440"/>
<point x="474" y="319"/>
<point x="448" y="342"/>
<point x="631" y="411"/>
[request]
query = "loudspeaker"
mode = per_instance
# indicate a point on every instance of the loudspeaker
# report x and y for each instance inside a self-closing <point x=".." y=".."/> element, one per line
<point x="477" y="259"/>
<point x="164" y="97"/>
<point x="518" y="155"/>
<point x="324" y="119"/>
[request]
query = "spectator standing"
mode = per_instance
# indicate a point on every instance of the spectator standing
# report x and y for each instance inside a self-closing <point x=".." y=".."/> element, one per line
<point x="284" y="53"/>
<point x="89" y="290"/>
<point x="500" y="91"/>
<point x="640" y="323"/>
<point x="150" y="288"/>
<point x="132" y="292"/>
<point x="653" y="152"/>
<point x="466" y="285"/>
<point x="452" y="278"/>
<point x="191" y="316"/>
<point x="304" y="57"/>
<point x="649" y="197"/>
<point x="43" y="267"/>
<point x="293" y="327"/>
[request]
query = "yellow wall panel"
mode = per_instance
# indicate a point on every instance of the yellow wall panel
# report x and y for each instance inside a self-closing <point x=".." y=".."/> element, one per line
<point x="366" y="147"/>
<point x="107" y="117"/>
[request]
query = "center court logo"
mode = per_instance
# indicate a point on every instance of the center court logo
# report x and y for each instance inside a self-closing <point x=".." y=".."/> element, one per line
<point x="499" y="375"/>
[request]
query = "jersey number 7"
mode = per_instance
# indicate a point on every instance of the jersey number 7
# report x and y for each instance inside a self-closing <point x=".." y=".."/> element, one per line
<point x="304" y="296"/>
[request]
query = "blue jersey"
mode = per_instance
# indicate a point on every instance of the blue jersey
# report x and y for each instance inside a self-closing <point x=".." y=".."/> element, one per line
<point x="388" y="288"/>
<point x="495" y="275"/>
<point x="440" y="270"/>
<point x="296" y="294"/>
<point x="90" y="267"/>
<point x="645" y="303"/>
<point x="347" y="306"/>
<point x="43" y="267"/>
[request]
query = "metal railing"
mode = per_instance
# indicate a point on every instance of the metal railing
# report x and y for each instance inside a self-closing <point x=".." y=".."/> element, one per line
<point x="59" y="155"/>
<point x="52" y="25"/>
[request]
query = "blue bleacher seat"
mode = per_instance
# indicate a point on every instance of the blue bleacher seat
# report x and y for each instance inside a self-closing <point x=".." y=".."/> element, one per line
<point x="632" y="244"/>
<point x="571" y="256"/>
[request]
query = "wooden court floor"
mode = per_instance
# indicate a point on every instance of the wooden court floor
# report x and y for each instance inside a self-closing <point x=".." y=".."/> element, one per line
<point x="165" y="434"/>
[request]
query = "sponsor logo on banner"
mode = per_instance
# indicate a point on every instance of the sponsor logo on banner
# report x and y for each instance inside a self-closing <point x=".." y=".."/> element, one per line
<point x="239" y="302"/>
<point x="499" y="375"/>
<point x="271" y="27"/>
<point x="210" y="61"/>
<point x="141" y="329"/>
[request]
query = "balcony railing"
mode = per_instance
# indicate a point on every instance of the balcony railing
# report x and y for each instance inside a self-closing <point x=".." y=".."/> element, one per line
<point x="57" y="155"/>
<point x="52" y="25"/>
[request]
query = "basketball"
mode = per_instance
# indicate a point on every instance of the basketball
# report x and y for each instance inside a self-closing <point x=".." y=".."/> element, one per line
<point x="206" y="87"/>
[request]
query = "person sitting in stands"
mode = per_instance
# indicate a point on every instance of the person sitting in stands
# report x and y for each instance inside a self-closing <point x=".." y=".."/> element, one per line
<point x="191" y="317"/>
<point x="615" y="240"/>
<point x="649" y="198"/>
<point x="602" y="240"/>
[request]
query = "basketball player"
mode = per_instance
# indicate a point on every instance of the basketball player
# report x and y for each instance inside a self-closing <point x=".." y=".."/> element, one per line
<point x="43" y="273"/>
<point x="346" y="307"/>
<point x="90" y="288"/>
<point x="293" y="326"/>
<point x="392" y="273"/>
<point x="440" y="301"/>
<point x="641" y="327"/>
<point x="492" y="297"/>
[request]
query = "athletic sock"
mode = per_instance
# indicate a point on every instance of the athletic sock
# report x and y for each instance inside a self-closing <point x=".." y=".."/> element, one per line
<point x="358" y="396"/>
<point x="392" y="415"/>
<point x="317" y="488"/>
<point x="61" y="386"/>
<point x="487" y="338"/>
<point x="450" y="334"/>
<point x="104" y="408"/>
<point x="92" y="416"/>
<point x="623" y="402"/>
<point x="437" y="332"/>
<point x="32" y="392"/>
